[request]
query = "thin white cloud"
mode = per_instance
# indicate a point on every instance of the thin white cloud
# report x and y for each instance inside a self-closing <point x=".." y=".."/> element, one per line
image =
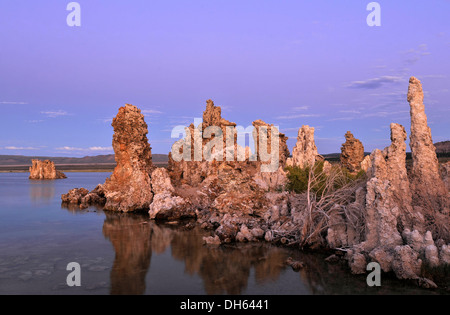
<point x="413" y="55"/>
<point x="106" y="120"/>
<point x="68" y="149"/>
<point x="20" y="148"/>
<point x="286" y="130"/>
<point x="151" y="111"/>
<point x="13" y="103"/>
<point x="342" y="118"/>
<point x="350" y="111"/>
<point x="300" y="108"/>
<point x="90" y="149"/>
<point x="375" y="83"/>
<point x="101" y="148"/>
<point x="34" y="121"/>
<point x="297" y="116"/>
<point x="55" y="113"/>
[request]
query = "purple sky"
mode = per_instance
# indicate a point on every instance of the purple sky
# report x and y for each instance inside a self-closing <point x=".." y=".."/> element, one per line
<point x="290" y="63"/>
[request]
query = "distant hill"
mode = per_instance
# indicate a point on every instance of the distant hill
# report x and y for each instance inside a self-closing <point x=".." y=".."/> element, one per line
<point x="442" y="151"/>
<point x="9" y="160"/>
<point x="442" y="147"/>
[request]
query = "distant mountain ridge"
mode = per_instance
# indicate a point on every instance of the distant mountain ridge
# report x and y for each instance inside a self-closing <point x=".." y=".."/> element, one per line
<point x="442" y="149"/>
<point x="7" y="160"/>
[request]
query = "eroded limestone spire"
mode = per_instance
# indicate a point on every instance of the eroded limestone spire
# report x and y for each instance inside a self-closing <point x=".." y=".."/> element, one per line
<point x="304" y="153"/>
<point x="426" y="181"/>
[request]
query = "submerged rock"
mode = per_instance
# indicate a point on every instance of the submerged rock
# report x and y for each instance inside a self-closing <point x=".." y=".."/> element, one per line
<point x="45" y="170"/>
<point x="83" y="198"/>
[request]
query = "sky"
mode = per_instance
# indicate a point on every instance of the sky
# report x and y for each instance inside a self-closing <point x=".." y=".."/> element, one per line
<point x="289" y="63"/>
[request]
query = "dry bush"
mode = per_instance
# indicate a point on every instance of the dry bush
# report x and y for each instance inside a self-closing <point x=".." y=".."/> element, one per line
<point x="329" y="193"/>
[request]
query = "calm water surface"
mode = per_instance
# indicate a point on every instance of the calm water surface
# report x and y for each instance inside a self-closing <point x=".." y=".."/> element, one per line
<point x="129" y="254"/>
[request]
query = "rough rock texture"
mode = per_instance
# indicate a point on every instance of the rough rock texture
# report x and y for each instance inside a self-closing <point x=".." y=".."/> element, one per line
<point x="426" y="182"/>
<point x="270" y="173"/>
<point x="352" y="153"/>
<point x="82" y="198"/>
<point x="388" y="211"/>
<point x="444" y="254"/>
<point x="129" y="187"/>
<point x="283" y="151"/>
<point x="166" y="204"/>
<point x="388" y="194"/>
<point x="45" y="170"/>
<point x="405" y="215"/>
<point x="193" y="166"/>
<point x="445" y="174"/>
<point x="375" y="220"/>
<point x="342" y="233"/>
<point x="74" y="196"/>
<point x="366" y="163"/>
<point x="406" y="263"/>
<point x="305" y="151"/>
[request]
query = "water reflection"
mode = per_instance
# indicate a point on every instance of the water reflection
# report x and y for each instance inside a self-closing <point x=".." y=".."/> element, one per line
<point x="226" y="269"/>
<point x="223" y="269"/>
<point x="130" y="236"/>
<point x="42" y="191"/>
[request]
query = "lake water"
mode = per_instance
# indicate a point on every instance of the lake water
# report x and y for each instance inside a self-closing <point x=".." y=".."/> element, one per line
<point x="130" y="254"/>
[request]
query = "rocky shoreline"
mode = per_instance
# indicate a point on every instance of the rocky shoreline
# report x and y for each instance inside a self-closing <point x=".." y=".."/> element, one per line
<point x="397" y="218"/>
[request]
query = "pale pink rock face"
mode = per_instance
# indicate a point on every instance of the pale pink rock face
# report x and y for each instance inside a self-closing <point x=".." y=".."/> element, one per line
<point x="305" y="152"/>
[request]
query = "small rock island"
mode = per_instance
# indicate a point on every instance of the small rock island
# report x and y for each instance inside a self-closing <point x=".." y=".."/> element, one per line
<point x="45" y="170"/>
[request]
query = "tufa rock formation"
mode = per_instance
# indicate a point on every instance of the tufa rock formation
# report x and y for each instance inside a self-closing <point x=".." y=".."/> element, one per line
<point x="388" y="193"/>
<point x="445" y="174"/>
<point x="426" y="181"/>
<point x="352" y="153"/>
<point x="167" y="205"/>
<point x="305" y="151"/>
<point x="402" y="232"/>
<point x="45" y="170"/>
<point x="381" y="219"/>
<point x="81" y="198"/>
<point x="129" y="187"/>
<point x="201" y="153"/>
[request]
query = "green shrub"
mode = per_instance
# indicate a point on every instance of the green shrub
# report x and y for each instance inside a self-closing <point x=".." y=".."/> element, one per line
<point x="298" y="178"/>
<point x="320" y="182"/>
